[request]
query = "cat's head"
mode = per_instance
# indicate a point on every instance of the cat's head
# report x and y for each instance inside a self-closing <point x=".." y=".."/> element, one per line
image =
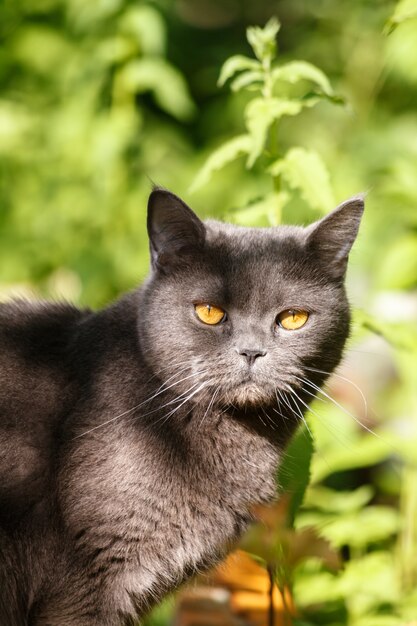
<point x="240" y="315"/>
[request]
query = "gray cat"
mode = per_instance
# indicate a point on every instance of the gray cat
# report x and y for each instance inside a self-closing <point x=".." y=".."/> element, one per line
<point x="135" y="441"/>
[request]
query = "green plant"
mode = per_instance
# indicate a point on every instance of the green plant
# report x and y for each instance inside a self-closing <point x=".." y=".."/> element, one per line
<point x="88" y="106"/>
<point x="84" y="121"/>
<point x="278" y="91"/>
<point x="358" y="565"/>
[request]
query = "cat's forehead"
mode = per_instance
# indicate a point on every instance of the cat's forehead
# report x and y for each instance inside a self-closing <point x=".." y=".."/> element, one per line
<point x="244" y="250"/>
<point x="250" y="239"/>
<point x="257" y="264"/>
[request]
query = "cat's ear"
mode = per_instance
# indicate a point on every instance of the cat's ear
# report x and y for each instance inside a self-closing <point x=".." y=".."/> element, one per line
<point x="331" y="239"/>
<point x="174" y="229"/>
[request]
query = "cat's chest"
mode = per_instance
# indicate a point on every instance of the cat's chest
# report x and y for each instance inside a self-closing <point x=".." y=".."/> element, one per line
<point x="190" y="519"/>
<point x="166" y="511"/>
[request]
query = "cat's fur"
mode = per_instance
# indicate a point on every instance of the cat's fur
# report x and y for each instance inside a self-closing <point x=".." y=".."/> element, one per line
<point x="135" y="441"/>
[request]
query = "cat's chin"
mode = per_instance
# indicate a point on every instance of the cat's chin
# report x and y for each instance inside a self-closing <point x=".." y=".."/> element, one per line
<point x="248" y="395"/>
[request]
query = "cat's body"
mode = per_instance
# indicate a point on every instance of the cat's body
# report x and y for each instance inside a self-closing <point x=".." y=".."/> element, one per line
<point x="136" y="441"/>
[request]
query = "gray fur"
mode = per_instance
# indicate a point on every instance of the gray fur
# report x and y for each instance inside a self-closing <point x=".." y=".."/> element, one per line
<point x="136" y="440"/>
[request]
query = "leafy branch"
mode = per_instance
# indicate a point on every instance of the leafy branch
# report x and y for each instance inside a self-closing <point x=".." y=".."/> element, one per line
<point x="299" y="168"/>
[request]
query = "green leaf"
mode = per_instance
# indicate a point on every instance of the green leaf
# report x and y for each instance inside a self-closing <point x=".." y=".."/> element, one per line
<point x="263" y="40"/>
<point x="379" y="620"/>
<point x="146" y="24"/>
<point x="368" y="450"/>
<point x="227" y="152"/>
<point x="316" y="588"/>
<point x="334" y="501"/>
<point x="294" y="472"/>
<point x="369" y="582"/>
<point x="247" y="79"/>
<point x="163" y="80"/>
<point x="15" y="122"/>
<point x="270" y="207"/>
<point x="357" y="529"/>
<point x="41" y="48"/>
<point x="402" y="253"/>
<point x="295" y="71"/>
<point x="260" y="115"/>
<point x="365" y="584"/>
<point x="304" y="170"/>
<point x="401" y="336"/>
<point x="405" y="10"/>
<point x="236" y="64"/>
<point x="116" y="49"/>
<point x="162" y="614"/>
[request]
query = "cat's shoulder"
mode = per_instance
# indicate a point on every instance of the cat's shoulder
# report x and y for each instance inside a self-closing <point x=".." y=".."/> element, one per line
<point x="34" y="338"/>
<point x="37" y="322"/>
<point x="21" y="313"/>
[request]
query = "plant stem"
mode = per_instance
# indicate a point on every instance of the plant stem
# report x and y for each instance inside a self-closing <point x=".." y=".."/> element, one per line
<point x="267" y="88"/>
<point x="271" y="612"/>
<point x="408" y="536"/>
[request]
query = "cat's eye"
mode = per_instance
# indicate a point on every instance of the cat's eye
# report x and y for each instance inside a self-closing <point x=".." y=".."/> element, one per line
<point x="209" y="314"/>
<point x="292" y="319"/>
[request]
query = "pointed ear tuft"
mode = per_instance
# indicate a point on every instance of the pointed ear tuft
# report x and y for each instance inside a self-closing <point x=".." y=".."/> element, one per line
<point x="173" y="229"/>
<point x="331" y="239"/>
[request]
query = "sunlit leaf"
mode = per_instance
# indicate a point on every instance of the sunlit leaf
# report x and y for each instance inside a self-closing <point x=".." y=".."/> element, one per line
<point x="227" y="152"/>
<point x="263" y="40"/>
<point x="85" y="14"/>
<point x="236" y="64"/>
<point x="268" y="209"/>
<point x="338" y="501"/>
<point x="116" y="49"/>
<point x="402" y="253"/>
<point x="163" y="80"/>
<point x="260" y="114"/>
<point x="250" y="78"/>
<point x="294" y="71"/>
<point x="400" y="335"/>
<point x="294" y="472"/>
<point x="316" y="588"/>
<point x="304" y="170"/>
<point x="146" y="24"/>
<point x="368" y="450"/>
<point x="42" y="48"/>
<point x="15" y="122"/>
<point x="358" y="529"/>
<point x="369" y="582"/>
<point x="405" y="10"/>
<point x="381" y="619"/>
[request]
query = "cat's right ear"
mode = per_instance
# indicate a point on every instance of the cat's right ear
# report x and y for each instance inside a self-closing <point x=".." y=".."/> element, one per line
<point x="174" y="230"/>
<point x="331" y="239"/>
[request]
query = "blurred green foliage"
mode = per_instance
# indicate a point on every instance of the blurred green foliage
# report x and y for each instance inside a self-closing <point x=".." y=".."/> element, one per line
<point x="98" y="98"/>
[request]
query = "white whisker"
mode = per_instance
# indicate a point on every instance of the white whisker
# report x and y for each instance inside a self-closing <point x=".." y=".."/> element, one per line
<point x="300" y="413"/>
<point x="210" y="404"/>
<point x="342" y="408"/>
<point x="347" y="380"/>
<point x="166" y="417"/>
<point x="128" y="411"/>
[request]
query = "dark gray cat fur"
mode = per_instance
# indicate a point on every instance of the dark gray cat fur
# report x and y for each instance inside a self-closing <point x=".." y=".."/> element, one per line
<point x="135" y="441"/>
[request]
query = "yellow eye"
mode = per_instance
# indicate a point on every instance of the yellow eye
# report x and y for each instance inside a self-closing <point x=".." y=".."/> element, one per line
<point x="292" y="319"/>
<point x="209" y="314"/>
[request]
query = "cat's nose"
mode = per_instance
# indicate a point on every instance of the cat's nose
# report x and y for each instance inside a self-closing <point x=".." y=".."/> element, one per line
<point x="251" y="354"/>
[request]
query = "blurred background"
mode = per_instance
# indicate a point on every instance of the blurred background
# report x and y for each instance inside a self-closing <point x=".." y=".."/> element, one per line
<point x="98" y="99"/>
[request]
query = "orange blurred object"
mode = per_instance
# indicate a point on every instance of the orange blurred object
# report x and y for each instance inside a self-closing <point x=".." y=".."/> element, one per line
<point x="239" y="595"/>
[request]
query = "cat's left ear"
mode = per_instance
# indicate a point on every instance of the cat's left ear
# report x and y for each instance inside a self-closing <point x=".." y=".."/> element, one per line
<point x="174" y="229"/>
<point x="331" y="239"/>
